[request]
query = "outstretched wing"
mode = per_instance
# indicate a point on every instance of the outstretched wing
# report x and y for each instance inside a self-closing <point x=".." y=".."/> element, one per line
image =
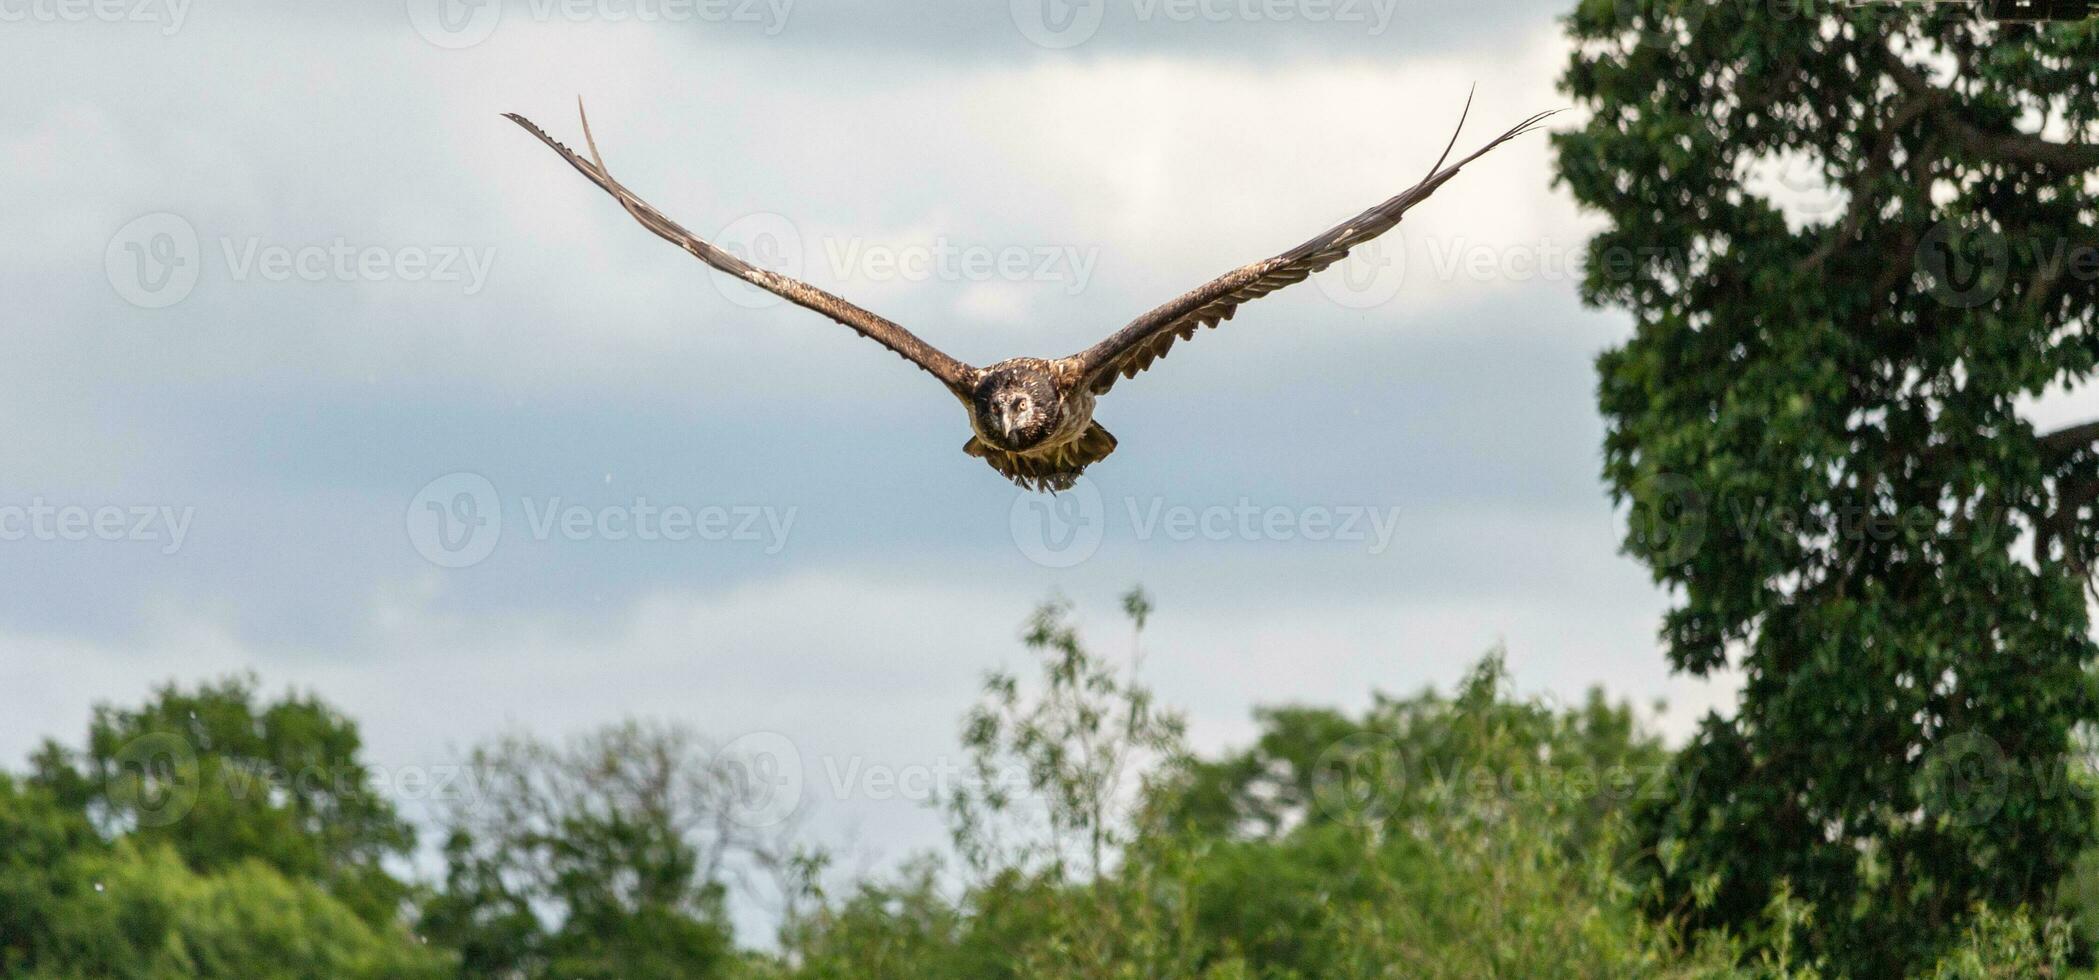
<point x="1146" y="339"/>
<point x="959" y="377"/>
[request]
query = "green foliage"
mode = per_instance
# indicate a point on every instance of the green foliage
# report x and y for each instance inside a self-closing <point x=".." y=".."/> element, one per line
<point x="1816" y="424"/>
<point x="602" y="858"/>
<point x="147" y="914"/>
<point x="73" y="905"/>
<point x="223" y="778"/>
<point x="1463" y="835"/>
<point x="2001" y="945"/>
<point x="1063" y="757"/>
<point x="1473" y="835"/>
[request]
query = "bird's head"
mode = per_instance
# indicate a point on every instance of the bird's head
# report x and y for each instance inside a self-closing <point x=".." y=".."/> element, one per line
<point x="1017" y="409"/>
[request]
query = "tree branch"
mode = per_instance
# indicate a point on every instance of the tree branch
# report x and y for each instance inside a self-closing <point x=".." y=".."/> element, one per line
<point x="2064" y="441"/>
<point x="2072" y="493"/>
<point x="2007" y="147"/>
<point x="1863" y="199"/>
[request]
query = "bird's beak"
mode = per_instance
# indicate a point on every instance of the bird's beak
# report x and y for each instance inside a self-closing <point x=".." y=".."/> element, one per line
<point x="1005" y="420"/>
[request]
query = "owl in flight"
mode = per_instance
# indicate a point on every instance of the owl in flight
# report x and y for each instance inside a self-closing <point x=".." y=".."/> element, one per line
<point x="1033" y="418"/>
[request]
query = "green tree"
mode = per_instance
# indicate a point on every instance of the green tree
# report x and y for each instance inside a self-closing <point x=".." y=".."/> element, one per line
<point x="1057" y="769"/>
<point x="605" y="857"/>
<point x="75" y="905"/>
<point x="1816" y="423"/>
<point x="1445" y="836"/>
<point x="223" y="777"/>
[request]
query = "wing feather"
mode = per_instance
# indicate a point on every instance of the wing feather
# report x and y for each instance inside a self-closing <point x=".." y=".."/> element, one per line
<point x="958" y="377"/>
<point x="1146" y="339"/>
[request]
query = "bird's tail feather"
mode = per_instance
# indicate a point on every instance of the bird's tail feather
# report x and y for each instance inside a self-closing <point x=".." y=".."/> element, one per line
<point x="1053" y="468"/>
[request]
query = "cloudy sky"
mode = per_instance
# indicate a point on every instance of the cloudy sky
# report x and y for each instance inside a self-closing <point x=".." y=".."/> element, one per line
<point x="320" y="368"/>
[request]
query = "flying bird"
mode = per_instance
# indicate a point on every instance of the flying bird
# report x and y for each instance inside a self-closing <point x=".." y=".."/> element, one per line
<point x="1031" y="418"/>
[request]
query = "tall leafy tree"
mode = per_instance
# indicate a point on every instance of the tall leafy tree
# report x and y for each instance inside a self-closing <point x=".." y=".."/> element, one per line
<point x="1817" y="424"/>
<point x="608" y="856"/>
<point x="223" y="776"/>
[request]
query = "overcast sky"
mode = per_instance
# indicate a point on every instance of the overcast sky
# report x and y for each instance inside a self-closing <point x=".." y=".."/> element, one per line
<point x="281" y="280"/>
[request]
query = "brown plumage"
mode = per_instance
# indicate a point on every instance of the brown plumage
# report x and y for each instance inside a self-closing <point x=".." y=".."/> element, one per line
<point x="1033" y="418"/>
